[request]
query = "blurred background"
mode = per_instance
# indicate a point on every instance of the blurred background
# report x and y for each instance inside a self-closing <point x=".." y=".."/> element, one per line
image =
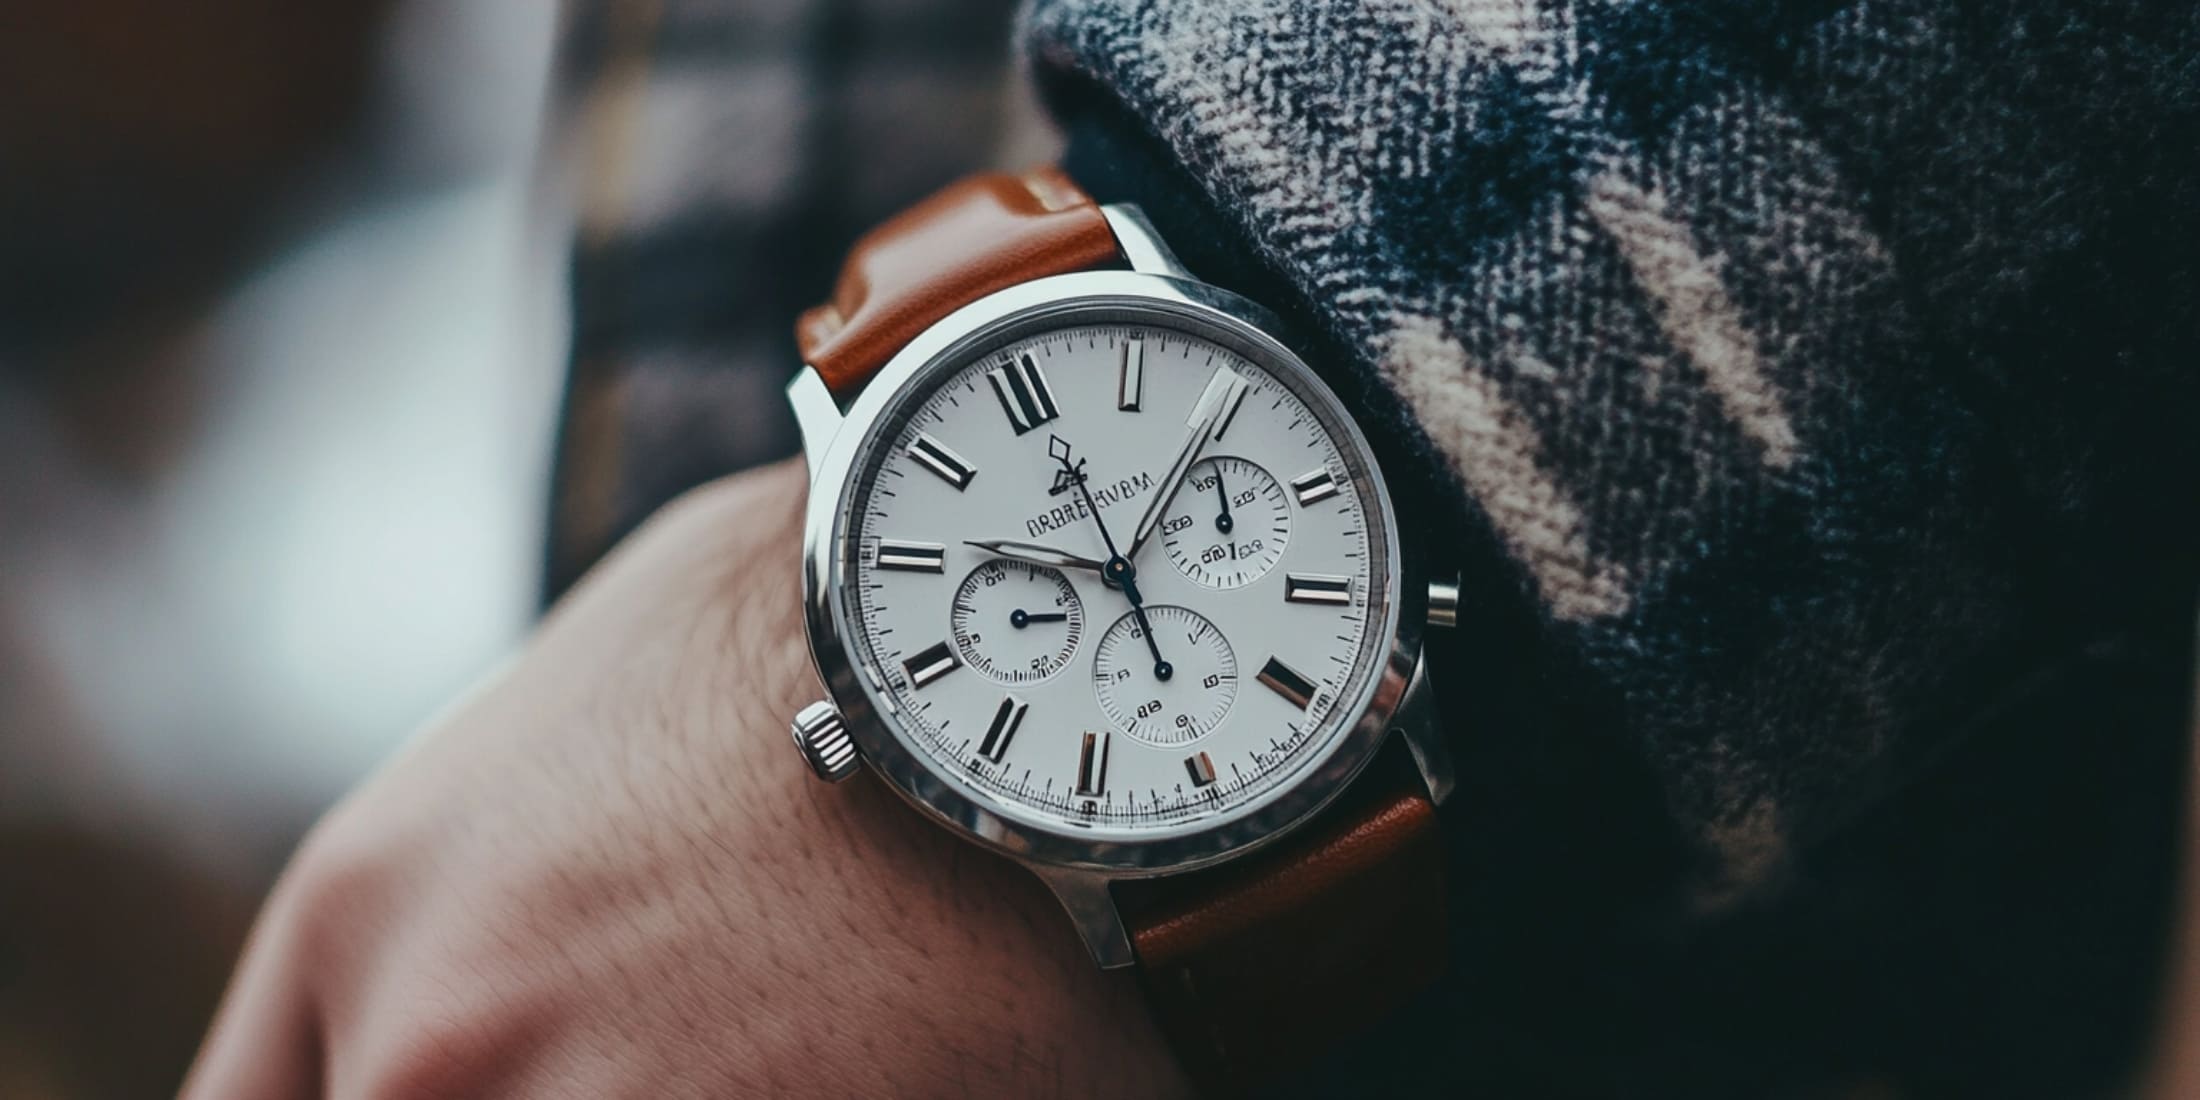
<point x="335" y="339"/>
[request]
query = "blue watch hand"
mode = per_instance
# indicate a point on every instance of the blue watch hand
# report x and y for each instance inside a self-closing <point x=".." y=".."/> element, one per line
<point x="1118" y="569"/>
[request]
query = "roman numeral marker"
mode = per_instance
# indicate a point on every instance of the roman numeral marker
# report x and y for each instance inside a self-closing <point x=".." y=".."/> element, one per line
<point x="1023" y="393"/>
<point x="1227" y="387"/>
<point x="916" y="557"/>
<point x="1130" y="378"/>
<point x="933" y="455"/>
<point x="1317" y="588"/>
<point x="1201" y="769"/>
<point x="1092" y="766"/>
<point x="1314" y="486"/>
<point x="1006" y="721"/>
<point x="931" y="664"/>
<point x="1288" y="682"/>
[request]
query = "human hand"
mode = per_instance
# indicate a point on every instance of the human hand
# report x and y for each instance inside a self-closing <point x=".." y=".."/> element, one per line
<point x="607" y="874"/>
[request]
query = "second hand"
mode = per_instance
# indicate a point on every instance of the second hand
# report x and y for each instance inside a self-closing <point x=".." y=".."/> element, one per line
<point x="1120" y="571"/>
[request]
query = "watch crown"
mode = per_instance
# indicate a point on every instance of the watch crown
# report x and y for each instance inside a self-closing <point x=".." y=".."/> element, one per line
<point x="1443" y="602"/>
<point x="824" y="741"/>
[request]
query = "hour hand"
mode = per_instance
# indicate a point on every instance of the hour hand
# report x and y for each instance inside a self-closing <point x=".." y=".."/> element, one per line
<point x="1036" y="553"/>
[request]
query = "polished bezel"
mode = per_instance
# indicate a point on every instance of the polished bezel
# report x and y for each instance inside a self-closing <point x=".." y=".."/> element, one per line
<point x="1186" y="304"/>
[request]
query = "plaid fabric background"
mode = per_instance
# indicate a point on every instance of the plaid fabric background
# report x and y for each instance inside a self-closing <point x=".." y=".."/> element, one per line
<point x="1808" y="387"/>
<point x="727" y="153"/>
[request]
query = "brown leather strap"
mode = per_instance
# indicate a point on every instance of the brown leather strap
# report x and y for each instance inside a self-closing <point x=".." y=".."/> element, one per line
<point x="1256" y="965"/>
<point x="986" y="233"/>
<point x="1260" y="965"/>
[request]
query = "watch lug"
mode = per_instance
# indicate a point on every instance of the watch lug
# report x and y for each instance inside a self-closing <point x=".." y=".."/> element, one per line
<point x="1086" y="897"/>
<point x="815" y="413"/>
<point x="1140" y="242"/>
<point x="1415" y="720"/>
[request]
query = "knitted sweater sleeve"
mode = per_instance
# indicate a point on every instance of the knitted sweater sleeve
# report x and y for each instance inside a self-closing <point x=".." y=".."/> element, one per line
<point x="1820" y="375"/>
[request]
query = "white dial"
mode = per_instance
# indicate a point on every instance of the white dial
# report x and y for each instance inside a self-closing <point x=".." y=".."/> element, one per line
<point x="1015" y="622"/>
<point x="1041" y="472"/>
<point x="1193" y="698"/>
<point x="1228" y="526"/>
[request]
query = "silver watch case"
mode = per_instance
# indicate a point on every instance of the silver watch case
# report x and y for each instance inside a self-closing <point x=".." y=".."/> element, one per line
<point x="1080" y="867"/>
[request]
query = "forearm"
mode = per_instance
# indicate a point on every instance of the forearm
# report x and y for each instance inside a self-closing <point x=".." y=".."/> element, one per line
<point x="657" y="850"/>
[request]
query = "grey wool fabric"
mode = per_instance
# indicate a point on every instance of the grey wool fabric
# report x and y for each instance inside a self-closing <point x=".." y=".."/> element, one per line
<point x="1693" y="301"/>
<point x="1822" y="374"/>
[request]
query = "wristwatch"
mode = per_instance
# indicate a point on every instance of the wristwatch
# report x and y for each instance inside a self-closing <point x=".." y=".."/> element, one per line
<point x="1099" y="574"/>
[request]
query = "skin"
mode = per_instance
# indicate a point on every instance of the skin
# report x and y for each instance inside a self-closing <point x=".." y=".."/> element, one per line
<point x="607" y="873"/>
<point x="2175" y="1070"/>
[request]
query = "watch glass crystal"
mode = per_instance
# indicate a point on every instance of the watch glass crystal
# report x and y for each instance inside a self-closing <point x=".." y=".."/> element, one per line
<point x="1114" y="572"/>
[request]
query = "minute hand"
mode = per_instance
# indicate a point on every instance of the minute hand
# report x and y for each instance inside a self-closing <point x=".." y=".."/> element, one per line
<point x="1202" y="424"/>
<point x="1036" y="553"/>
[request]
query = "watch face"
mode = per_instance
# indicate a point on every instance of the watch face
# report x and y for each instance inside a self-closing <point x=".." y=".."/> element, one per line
<point x="1115" y="572"/>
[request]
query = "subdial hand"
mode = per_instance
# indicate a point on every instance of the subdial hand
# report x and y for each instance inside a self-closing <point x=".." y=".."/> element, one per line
<point x="1162" y="669"/>
<point x="1021" y="618"/>
<point x="1223" y="522"/>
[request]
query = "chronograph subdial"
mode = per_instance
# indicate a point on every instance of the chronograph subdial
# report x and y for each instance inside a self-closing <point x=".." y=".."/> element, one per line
<point x="1228" y="525"/>
<point x="1015" y="622"/>
<point x="1192" y="701"/>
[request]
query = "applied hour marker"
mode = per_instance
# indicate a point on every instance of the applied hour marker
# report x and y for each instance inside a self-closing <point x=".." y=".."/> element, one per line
<point x="1006" y="721"/>
<point x="1288" y="682"/>
<point x="917" y="557"/>
<point x="1317" y="588"/>
<point x="1130" y="379"/>
<point x="1092" y="766"/>
<point x="1201" y="769"/>
<point x="931" y="664"/>
<point x="1314" y="486"/>
<point x="933" y="455"/>
<point x="1024" y="394"/>
<point x="1228" y="388"/>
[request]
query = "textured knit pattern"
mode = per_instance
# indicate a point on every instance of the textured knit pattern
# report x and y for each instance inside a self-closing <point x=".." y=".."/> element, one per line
<point x="724" y="155"/>
<point x="1708" y="310"/>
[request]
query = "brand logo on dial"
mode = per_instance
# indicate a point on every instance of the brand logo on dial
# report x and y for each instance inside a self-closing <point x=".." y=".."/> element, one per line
<point x="1073" y="509"/>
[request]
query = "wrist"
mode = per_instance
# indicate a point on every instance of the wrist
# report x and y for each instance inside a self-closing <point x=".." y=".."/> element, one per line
<point x="606" y="873"/>
<point x="933" y="959"/>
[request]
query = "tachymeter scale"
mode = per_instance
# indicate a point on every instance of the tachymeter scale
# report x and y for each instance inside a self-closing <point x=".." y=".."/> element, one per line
<point x="1229" y="525"/>
<point x="968" y="453"/>
<point x="1197" y="694"/>
<point x="1015" y="622"/>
